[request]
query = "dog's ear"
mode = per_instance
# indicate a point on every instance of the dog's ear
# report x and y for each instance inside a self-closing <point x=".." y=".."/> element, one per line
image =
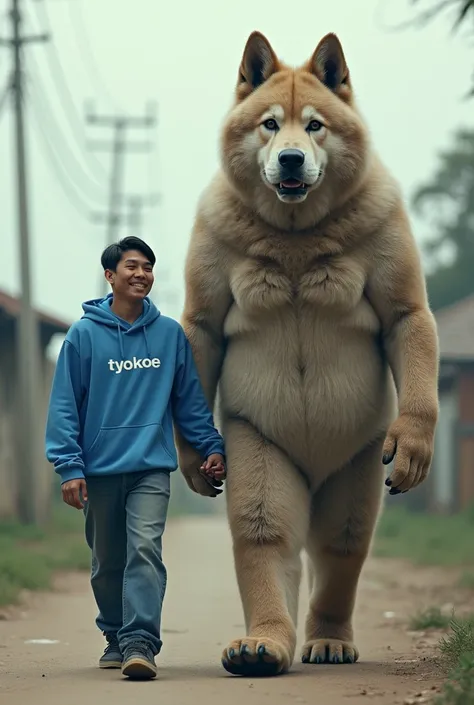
<point x="329" y="64"/>
<point x="259" y="62"/>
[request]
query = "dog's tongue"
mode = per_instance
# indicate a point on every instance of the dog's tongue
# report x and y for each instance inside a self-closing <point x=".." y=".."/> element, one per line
<point x="291" y="183"/>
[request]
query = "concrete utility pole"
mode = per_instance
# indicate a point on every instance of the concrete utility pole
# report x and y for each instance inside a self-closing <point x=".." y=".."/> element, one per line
<point x="119" y="146"/>
<point x="136" y="204"/>
<point x="29" y="372"/>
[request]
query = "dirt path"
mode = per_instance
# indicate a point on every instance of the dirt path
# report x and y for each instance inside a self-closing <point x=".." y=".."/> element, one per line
<point x="202" y="612"/>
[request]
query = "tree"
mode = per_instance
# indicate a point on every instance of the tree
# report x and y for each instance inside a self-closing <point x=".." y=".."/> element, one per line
<point x="448" y="201"/>
<point x="463" y="16"/>
<point x="464" y="10"/>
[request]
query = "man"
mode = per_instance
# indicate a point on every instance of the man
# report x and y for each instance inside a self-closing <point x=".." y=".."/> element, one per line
<point x="124" y="375"/>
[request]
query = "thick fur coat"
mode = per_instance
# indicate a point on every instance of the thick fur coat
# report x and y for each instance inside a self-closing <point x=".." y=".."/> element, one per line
<point x="307" y="312"/>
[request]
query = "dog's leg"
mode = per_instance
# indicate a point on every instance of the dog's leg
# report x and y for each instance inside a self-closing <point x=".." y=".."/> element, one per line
<point x="268" y="508"/>
<point x="343" y="517"/>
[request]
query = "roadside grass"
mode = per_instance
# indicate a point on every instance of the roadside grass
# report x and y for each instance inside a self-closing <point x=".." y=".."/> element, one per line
<point x="29" y="556"/>
<point x="426" y="539"/>
<point x="444" y="541"/>
<point x="466" y="581"/>
<point x="457" y="648"/>
<point x="430" y="618"/>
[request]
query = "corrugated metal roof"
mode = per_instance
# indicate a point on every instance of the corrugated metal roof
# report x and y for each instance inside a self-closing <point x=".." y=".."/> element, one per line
<point x="11" y="306"/>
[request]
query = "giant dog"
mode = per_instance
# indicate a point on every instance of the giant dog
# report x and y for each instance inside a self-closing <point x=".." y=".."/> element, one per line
<point x="307" y="312"/>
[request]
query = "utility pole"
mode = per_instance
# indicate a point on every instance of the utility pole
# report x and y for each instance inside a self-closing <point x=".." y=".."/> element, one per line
<point x="136" y="204"/>
<point x="120" y="124"/>
<point x="29" y="374"/>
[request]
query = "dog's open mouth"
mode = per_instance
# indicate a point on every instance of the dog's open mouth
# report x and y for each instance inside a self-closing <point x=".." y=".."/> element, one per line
<point x="292" y="187"/>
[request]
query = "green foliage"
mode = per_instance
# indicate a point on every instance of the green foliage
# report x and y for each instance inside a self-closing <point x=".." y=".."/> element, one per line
<point x="29" y="556"/>
<point x="449" y="196"/>
<point x="463" y="15"/>
<point x="447" y="201"/>
<point x="459" y="688"/>
<point x="430" y="618"/>
<point x="466" y="580"/>
<point x="438" y="540"/>
<point x="464" y="10"/>
<point x="426" y="539"/>
<point x="458" y="651"/>
<point x="459" y="642"/>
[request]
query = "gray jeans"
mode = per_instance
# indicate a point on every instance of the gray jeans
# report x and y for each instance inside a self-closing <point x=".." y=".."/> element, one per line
<point x="125" y="518"/>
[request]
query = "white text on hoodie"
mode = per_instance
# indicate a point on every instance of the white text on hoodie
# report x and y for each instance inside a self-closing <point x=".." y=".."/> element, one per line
<point x="137" y="363"/>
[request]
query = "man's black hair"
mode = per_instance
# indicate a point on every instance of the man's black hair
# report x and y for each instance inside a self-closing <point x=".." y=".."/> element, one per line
<point x="112" y="254"/>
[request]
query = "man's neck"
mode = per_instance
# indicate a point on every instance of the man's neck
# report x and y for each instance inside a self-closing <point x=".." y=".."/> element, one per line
<point x="126" y="310"/>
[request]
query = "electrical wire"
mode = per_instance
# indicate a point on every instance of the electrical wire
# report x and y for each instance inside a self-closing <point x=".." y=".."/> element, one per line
<point x="5" y="95"/>
<point x="86" y="51"/>
<point x="51" y="125"/>
<point x="61" y="173"/>
<point x="65" y="95"/>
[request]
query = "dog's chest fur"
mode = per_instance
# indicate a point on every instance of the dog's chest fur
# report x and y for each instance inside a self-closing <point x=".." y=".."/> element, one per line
<point x="277" y="269"/>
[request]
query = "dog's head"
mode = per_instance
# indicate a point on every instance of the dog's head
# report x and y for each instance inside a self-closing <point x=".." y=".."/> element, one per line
<point x="294" y="132"/>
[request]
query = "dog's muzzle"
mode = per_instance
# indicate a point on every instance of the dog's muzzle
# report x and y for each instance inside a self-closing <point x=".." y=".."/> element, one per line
<point x="291" y="177"/>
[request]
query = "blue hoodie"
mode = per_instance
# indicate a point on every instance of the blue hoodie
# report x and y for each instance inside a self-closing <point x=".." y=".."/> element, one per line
<point x="116" y="391"/>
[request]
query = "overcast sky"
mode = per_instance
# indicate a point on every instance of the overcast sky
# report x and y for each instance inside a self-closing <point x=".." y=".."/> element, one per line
<point x="410" y="85"/>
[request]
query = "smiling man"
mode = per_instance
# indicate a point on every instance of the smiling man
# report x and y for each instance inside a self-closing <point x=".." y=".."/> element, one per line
<point x="124" y="374"/>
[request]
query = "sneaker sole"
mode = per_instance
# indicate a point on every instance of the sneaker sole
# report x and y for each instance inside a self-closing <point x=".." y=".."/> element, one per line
<point x="110" y="664"/>
<point x="138" y="669"/>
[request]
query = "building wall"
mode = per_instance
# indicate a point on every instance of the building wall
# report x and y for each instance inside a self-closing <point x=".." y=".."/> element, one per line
<point x="11" y="430"/>
<point x="8" y="458"/>
<point x="465" y="458"/>
<point x="450" y="485"/>
<point x="442" y="481"/>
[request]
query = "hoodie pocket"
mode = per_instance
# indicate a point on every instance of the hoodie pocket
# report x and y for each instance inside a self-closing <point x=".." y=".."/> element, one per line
<point x="123" y="448"/>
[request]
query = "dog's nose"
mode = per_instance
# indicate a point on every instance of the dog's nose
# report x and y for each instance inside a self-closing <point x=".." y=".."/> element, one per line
<point x="291" y="158"/>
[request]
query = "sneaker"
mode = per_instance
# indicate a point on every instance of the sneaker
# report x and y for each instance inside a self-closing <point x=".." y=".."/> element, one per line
<point x="139" y="662"/>
<point x="111" y="658"/>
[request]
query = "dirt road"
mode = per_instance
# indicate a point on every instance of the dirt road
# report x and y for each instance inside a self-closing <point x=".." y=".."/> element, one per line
<point x="202" y="613"/>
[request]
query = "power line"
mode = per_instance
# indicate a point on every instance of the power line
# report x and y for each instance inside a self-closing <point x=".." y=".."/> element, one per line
<point x="150" y="175"/>
<point x="65" y="95"/>
<point x="120" y="126"/>
<point x="50" y="125"/>
<point x="86" y="51"/>
<point x="133" y="215"/>
<point x="5" y="94"/>
<point x="136" y="204"/>
<point x="62" y="174"/>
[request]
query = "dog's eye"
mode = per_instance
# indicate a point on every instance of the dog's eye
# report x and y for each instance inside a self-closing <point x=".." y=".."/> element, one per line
<point x="271" y="125"/>
<point x="315" y="126"/>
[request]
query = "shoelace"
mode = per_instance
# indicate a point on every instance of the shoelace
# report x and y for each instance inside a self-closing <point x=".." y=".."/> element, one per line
<point x="112" y="644"/>
<point x="142" y="649"/>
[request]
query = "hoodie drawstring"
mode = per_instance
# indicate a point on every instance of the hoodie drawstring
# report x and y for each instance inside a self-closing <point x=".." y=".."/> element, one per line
<point x="122" y="351"/>
<point x="120" y="337"/>
<point x="146" y="342"/>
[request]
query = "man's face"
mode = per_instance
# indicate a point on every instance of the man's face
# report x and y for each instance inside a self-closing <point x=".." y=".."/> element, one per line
<point x="134" y="276"/>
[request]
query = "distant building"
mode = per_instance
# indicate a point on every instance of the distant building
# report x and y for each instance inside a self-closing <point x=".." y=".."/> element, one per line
<point x="10" y="420"/>
<point x="450" y="485"/>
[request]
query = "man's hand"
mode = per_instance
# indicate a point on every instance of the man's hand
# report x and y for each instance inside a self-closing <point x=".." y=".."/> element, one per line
<point x="72" y="492"/>
<point x="214" y="467"/>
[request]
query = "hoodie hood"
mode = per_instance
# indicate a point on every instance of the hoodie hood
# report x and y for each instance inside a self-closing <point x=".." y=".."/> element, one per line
<point x="99" y="310"/>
